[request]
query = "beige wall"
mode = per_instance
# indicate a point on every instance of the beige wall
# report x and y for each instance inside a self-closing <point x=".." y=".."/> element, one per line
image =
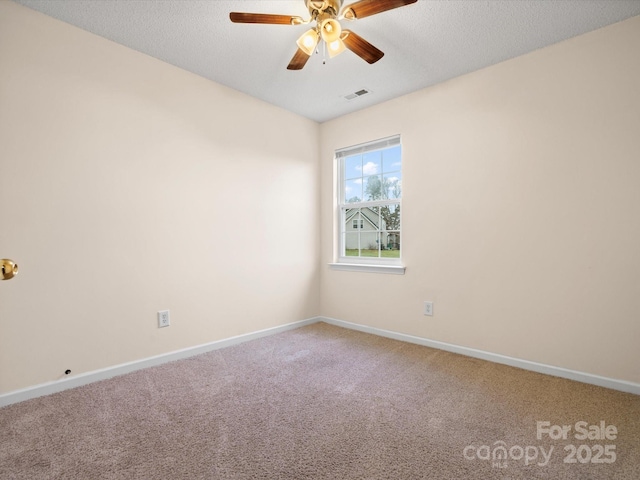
<point x="129" y="186"/>
<point x="521" y="208"/>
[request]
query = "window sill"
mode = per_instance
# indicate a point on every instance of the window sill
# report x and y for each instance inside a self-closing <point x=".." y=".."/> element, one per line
<point x="361" y="267"/>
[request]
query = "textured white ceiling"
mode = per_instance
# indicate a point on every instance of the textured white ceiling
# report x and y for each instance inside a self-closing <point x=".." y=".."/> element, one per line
<point x="424" y="43"/>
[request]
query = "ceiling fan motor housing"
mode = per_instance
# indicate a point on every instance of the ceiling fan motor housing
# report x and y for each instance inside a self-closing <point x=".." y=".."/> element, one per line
<point x="327" y="7"/>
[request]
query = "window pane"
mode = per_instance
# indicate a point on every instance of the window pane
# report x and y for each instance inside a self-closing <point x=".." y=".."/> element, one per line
<point x="392" y="240"/>
<point x="391" y="160"/>
<point x="353" y="191"/>
<point x="373" y="189"/>
<point x="371" y="218"/>
<point x="372" y="163"/>
<point x="352" y="244"/>
<point x="390" y="217"/>
<point x="351" y="217"/>
<point x="370" y="243"/>
<point x="393" y="185"/>
<point x="353" y="167"/>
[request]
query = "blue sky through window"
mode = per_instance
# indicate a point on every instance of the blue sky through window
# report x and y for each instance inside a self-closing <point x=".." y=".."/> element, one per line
<point x="358" y="169"/>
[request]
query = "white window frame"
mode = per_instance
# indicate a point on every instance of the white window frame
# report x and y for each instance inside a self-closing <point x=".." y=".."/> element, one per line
<point x="369" y="264"/>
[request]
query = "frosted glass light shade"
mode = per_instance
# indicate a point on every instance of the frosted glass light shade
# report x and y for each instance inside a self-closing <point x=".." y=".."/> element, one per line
<point x="336" y="47"/>
<point x="308" y="41"/>
<point x="330" y="30"/>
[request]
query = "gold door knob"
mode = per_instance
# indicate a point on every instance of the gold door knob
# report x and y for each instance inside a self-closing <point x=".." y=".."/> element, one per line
<point x="9" y="269"/>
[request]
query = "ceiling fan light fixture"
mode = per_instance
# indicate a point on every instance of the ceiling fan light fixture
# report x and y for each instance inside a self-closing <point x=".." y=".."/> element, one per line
<point x="308" y="41"/>
<point x="336" y="47"/>
<point x="330" y="29"/>
<point x="327" y="14"/>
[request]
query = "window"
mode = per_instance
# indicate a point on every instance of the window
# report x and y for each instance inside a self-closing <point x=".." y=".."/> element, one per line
<point x="369" y="202"/>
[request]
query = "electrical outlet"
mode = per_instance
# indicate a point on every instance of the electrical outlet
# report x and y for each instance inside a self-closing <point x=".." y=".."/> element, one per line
<point x="163" y="319"/>
<point x="428" y="308"/>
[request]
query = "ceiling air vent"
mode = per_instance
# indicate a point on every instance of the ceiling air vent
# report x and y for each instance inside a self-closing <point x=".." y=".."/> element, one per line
<point x="357" y="94"/>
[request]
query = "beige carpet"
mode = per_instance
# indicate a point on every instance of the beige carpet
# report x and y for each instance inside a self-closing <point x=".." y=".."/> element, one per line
<point x="322" y="402"/>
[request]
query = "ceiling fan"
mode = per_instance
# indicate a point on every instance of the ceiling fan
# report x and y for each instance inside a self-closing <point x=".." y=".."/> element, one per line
<point x="327" y="15"/>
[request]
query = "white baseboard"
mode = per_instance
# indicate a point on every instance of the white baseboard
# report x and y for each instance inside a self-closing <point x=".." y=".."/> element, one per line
<point x="614" y="384"/>
<point x="105" y="373"/>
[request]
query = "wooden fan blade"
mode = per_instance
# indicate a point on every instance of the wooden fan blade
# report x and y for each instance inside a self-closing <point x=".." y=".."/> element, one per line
<point x="298" y="61"/>
<point x="239" y="17"/>
<point x="366" y="8"/>
<point x="361" y="47"/>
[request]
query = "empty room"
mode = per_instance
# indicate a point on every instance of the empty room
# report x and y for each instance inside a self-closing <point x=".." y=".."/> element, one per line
<point x="316" y="239"/>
